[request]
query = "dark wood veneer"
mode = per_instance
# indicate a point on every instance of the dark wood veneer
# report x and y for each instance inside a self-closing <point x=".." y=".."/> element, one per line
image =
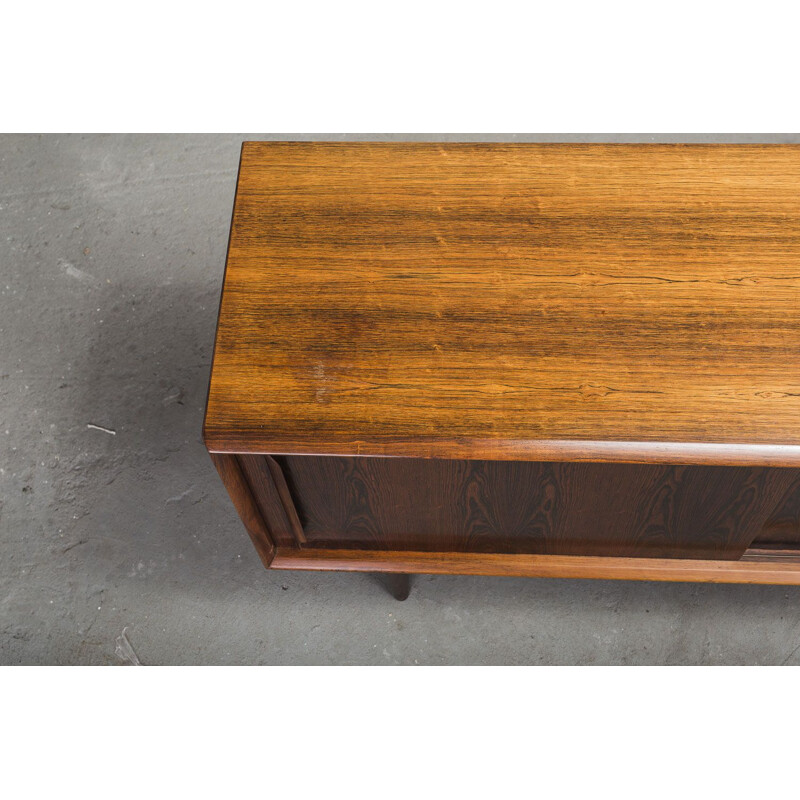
<point x="244" y="494"/>
<point x="532" y="507"/>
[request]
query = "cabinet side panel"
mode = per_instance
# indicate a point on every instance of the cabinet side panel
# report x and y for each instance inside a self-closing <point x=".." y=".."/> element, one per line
<point x="265" y="493"/>
<point x="533" y="507"/>
<point x="240" y="492"/>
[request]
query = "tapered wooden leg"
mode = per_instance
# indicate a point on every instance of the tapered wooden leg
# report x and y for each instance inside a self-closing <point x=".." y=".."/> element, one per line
<point x="398" y="584"/>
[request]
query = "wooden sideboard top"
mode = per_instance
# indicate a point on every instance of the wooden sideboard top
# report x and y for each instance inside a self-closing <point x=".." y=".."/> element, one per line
<point x="512" y="301"/>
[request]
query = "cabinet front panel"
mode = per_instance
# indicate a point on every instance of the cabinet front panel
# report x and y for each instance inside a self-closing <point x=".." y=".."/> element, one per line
<point x="534" y="507"/>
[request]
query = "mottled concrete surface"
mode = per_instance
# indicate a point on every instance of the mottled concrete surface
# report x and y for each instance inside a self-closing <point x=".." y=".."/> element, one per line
<point x="111" y="259"/>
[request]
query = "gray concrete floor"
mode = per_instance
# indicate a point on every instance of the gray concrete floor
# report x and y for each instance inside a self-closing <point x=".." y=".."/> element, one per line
<point x="111" y="260"/>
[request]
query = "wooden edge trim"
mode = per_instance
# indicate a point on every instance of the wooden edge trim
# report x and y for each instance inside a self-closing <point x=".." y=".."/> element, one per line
<point x="286" y="500"/>
<point x="239" y="490"/>
<point x="540" y="566"/>
<point x="221" y="295"/>
<point x="774" y="553"/>
<point x="716" y="453"/>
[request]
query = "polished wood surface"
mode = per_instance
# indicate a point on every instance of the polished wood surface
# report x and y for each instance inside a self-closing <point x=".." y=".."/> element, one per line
<point x="783" y="525"/>
<point x="501" y="512"/>
<point x="272" y="499"/>
<point x="773" y="552"/>
<point x="518" y="302"/>
<point x="241" y="493"/>
<point x="500" y="315"/>
<point x="533" y="507"/>
<point x="784" y="571"/>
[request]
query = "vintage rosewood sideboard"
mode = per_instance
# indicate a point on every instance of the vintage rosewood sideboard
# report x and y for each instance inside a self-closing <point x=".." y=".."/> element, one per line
<point x="561" y="360"/>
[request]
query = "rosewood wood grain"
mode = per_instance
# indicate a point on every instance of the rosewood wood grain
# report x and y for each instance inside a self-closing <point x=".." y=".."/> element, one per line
<point x="516" y="302"/>
<point x="230" y="470"/>
<point x="783" y="525"/>
<point x="533" y="507"/>
<point x="585" y="355"/>
<point x="277" y="509"/>
<point x="785" y="571"/>
<point x="763" y="553"/>
<point x="289" y="509"/>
